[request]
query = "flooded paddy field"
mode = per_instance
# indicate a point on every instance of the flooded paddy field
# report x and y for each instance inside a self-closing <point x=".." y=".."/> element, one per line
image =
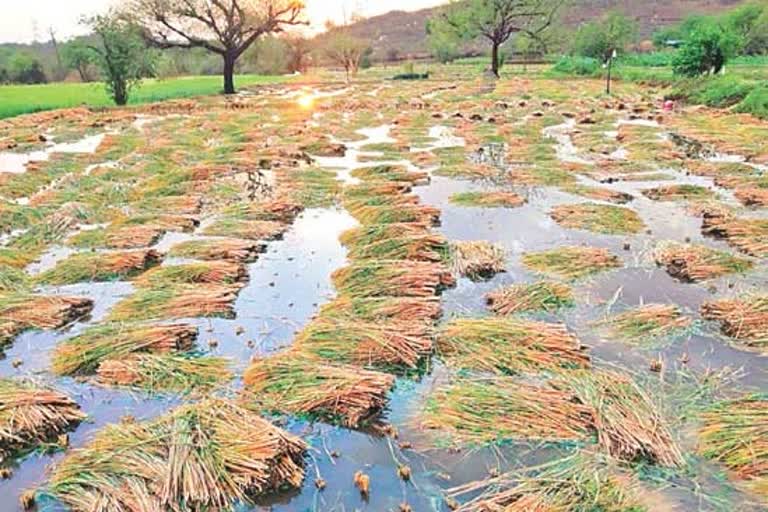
<point x="423" y="296"/>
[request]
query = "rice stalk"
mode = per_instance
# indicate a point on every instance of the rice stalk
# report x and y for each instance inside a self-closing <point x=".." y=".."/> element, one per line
<point x="598" y="218"/>
<point x="743" y="319"/>
<point x="426" y="247"/>
<point x="488" y="199"/>
<point x="97" y="267"/>
<point x="694" y="263"/>
<point x="177" y="301"/>
<point x="392" y="279"/>
<point x="376" y="233"/>
<point x="572" y="262"/>
<point x="398" y="213"/>
<point x="165" y="372"/>
<point x="683" y="192"/>
<point x="216" y="272"/>
<point x="19" y="312"/>
<point x="647" y="323"/>
<point x="231" y="249"/>
<point x="383" y="309"/>
<point x="545" y="296"/>
<point x="247" y="229"/>
<point x="747" y="235"/>
<point x="477" y="260"/>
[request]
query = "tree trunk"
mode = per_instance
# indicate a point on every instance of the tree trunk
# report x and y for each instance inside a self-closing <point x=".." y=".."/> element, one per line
<point x="495" y="64"/>
<point x="229" y="74"/>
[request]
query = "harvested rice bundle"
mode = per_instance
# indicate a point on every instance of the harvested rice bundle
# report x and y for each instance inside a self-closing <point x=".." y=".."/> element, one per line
<point x="629" y="426"/>
<point x="205" y="456"/>
<point x="579" y="483"/>
<point x="693" y="263"/>
<point x="393" y="279"/>
<point x="30" y="415"/>
<point x="427" y="247"/>
<point x="351" y="341"/>
<point x="248" y="229"/>
<point x="598" y="218"/>
<point x="83" y="354"/>
<point x="498" y="409"/>
<point x="391" y="173"/>
<point x="682" y="192"/>
<point x="234" y="249"/>
<point x="735" y="433"/>
<point x="398" y="213"/>
<point x="293" y="385"/>
<point x="165" y="372"/>
<point x="488" y="199"/>
<point x="373" y="233"/>
<point x="752" y="196"/>
<point x="98" y="267"/>
<point x="384" y="309"/>
<point x="217" y="272"/>
<point x="749" y="236"/>
<point x="572" y="262"/>
<point x="118" y="237"/>
<point x="19" y="312"/>
<point x="477" y="260"/>
<point x="709" y="208"/>
<point x="358" y="204"/>
<point x="281" y="209"/>
<point x="178" y="301"/>
<point x="13" y="280"/>
<point x="509" y="346"/>
<point x="377" y="188"/>
<point x="599" y="194"/>
<point x="745" y="319"/>
<point x="647" y="323"/>
<point x="540" y="296"/>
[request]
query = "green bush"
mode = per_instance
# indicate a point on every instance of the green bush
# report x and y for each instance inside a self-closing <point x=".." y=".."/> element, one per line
<point x="756" y="102"/>
<point x="705" y="51"/>
<point x="582" y="66"/>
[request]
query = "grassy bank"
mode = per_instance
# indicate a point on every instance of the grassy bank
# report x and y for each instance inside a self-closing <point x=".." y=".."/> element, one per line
<point x="24" y="99"/>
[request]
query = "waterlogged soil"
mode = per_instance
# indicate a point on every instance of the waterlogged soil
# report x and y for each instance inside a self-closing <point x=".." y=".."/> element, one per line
<point x="291" y="280"/>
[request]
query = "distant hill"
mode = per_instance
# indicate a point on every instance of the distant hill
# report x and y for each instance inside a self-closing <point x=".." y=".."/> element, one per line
<point x="405" y="32"/>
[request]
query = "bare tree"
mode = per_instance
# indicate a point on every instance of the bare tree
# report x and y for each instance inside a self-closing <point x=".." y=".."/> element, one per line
<point x="497" y="20"/>
<point x="299" y="49"/>
<point x="347" y="51"/>
<point x="225" y="27"/>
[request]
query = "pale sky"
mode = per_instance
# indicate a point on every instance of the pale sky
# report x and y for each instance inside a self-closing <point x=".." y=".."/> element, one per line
<point x="25" y="20"/>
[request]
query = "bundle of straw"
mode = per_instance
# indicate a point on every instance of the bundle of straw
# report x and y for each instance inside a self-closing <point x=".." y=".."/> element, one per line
<point x="508" y="346"/>
<point x="393" y="278"/>
<point x="20" y="311"/>
<point x="108" y="266"/>
<point x="351" y="341"/>
<point x="745" y="319"/>
<point x="234" y="249"/>
<point x="426" y="247"/>
<point x="178" y="301"/>
<point x="599" y="194"/>
<point x="206" y="456"/>
<point x="540" y="296"/>
<point x="165" y="372"/>
<point x="383" y="309"/>
<point x="83" y="354"/>
<point x="579" y="483"/>
<point x="390" y="173"/>
<point x="375" y="233"/>
<point x="248" y="229"/>
<point x="572" y="262"/>
<point x="216" y="272"/>
<point x="132" y="237"/>
<point x="735" y="432"/>
<point x="679" y="192"/>
<point x="598" y="218"/>
<point x="489" y="199"/>
<point x="398" y="213"/>
<point x="30" y="415"/>
<point x="477" y="260"/>
<point x="293" y="385"/>
<point x="692" y="263"/>
<point x="498" y="409"/>
<point x="752" y="196"/>
<point x="749" y="236"/>
<point x="359" y="205"/>
<point x="628" y="424"/>
<point x="647" y="322"/>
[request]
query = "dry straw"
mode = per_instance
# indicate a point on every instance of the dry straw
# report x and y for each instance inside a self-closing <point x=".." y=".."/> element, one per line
<point x="693" y="263"/>
<point x="477" y="260"/>
<point x="572" y="262"/>
<point x="745" y="319"/>
<point x="540" y="296"/>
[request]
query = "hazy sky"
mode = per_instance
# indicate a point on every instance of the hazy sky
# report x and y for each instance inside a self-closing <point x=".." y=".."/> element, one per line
<point x="25" y="20"/>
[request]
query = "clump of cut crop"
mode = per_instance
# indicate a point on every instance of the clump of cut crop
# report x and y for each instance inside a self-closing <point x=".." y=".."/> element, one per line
<point x="682" y="192"/>
<point x="20" y="312"/>
<point x="599" y="194"/>
<point x="82" y="354"/>
<point x="118" y="237"/>
<point x="343" y="393"/>
<point x="647" y="323"/>
<point x="165" y="372"/>
<point x="497" y="409"/>
<point x="477" y="260"/>
<point x="383" y="309"/>
<point x="488" y="199"/>
<point x="509" y="346"/>
<point x="735" y="433"/>
<point x="377" y="233"/>
<point x="279" y="209"/>
<point x="572" y="262"/>
<point x="233" y="249"/>
<point x="752" y="196"/>
<point x="393" y="279"/>
<point x="391" y="173"/>
<point x="350" y="341"/>
<point x="579" y="483"/>
<point x="206" y="456"/>
<point x="744" y="319"/>
<point x="357" y="205"/>
<point x="31" y="415"/>
<point x="398" y="213"/>
<point x="217" y="272"/>
<point x="177" y="301"/>
<point x="13" y="280"/>
<point x="629" y="425"/>
<point x="108" y="266"/>
<point x="546" y="296"/>
<point x="425" y="247"/>
<point x="748" y="235"/>
<point x="248" y="229"/>
<point x="693" y="263"/>
<point x="598" y="218"/>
